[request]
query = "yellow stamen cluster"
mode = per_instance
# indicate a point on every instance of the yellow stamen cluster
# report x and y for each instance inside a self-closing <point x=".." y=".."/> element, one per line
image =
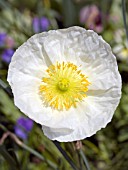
<point x="64" y="86"/>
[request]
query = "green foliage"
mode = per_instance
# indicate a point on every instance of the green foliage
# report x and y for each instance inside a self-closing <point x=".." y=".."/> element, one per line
<point x="7" y="107"/>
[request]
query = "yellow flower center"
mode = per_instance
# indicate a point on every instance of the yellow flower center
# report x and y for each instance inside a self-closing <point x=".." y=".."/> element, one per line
<point x="64" y="86"/>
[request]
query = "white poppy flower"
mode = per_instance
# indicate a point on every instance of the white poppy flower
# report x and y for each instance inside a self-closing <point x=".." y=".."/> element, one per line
<point x="67" y="80"/>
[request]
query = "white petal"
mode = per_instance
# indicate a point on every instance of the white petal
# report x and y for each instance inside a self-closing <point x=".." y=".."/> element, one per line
<point x="89" y="117"/>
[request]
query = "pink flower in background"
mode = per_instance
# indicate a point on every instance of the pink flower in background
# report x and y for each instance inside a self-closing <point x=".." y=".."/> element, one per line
<point x="9" y="42"/>
<point x="91" y="16"/>
<point x="6" y="40"/>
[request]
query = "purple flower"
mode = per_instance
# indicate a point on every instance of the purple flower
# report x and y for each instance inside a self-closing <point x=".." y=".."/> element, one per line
<point x="40" y="24"/>
<point x="91" y="16"/>
<point x="25" y="123"/>
<point x="7" y="55"/>
<point x="20" y="133"/>
<point x="2" y="38"/>
<point x="36" y="24"/>
<point x="44" y="23"/>
<point x="23" y="127"/>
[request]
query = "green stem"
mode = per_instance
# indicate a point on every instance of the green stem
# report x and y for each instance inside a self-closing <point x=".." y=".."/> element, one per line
<point x="84" y="159"/>
<point x="124" y="17"/>
<point x="3" y="128"/>
<point x="6" y="87"/>
<point x="65" y="155"/>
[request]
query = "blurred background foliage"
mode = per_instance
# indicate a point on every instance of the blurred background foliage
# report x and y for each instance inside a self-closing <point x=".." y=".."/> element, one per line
<point x="22" y="143"/>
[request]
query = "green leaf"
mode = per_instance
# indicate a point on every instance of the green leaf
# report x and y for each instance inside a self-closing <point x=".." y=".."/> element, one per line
<point x="8" y="108"/>
<point x="8" y="158"/>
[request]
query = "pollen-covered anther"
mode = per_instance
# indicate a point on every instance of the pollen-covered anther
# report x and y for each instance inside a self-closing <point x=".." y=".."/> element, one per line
<point x="64" y="86"/>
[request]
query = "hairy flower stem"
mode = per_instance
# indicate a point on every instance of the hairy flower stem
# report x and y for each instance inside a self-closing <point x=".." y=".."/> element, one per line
<point x="84" y="159"/>
<point x="78" y="147"/>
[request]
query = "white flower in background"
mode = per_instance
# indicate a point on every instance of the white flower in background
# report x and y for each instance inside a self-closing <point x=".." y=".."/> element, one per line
<point x="68" y="81"/>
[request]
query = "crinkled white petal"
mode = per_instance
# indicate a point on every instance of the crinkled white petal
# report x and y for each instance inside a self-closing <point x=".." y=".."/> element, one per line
<point x="83" y="48"/>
